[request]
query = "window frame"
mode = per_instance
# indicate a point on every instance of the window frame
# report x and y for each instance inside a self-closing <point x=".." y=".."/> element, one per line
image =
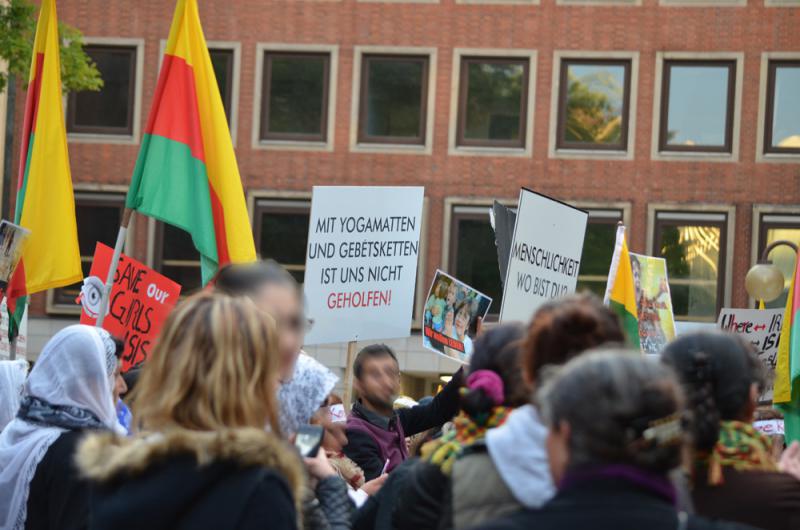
<point x="134" y="136"/>
<point x="610" y="214"/>
<point x="656" y="154"/>
<point x="264" y="135"/>
<point x="561" y="115"/>
<point x="363" y="138"/>
<point x="127" y="131"/>
<point x="761" y="225"/>
<point x="262" y="205"/>
<point x="769" y="110"/>
<point x="699" y="215"/>
<point x="113" y="196"/>
<point x="262" y="48"/>
<point x="463" y="89"/>
<point x="727" y="148"/>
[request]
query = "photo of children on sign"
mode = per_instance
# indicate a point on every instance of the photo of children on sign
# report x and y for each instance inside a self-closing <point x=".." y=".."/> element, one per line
<point x="653" y="302"/>
<point x="451" y="313"/>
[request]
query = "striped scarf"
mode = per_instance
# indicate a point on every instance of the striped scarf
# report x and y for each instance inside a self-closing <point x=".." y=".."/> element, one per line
<point x="444" y="451"/>
<point x="740" y="447"/>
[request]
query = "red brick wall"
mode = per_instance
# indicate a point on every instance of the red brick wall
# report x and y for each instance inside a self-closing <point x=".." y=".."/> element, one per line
<point x="547" y="27"/>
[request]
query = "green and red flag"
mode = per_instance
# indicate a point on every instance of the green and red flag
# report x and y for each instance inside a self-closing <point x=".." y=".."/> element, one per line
<point x="45" y="201"/>
<point x="621" y="290"/>
<point x="186" y="174"/>
<point x="786" y="395"/>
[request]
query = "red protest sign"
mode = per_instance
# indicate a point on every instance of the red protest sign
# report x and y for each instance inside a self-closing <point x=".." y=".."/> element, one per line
<point x="139" y="303"/>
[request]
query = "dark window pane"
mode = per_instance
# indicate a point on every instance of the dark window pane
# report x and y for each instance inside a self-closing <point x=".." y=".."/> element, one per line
<point x="786" y="109"/>
<point x="283" y="238"/>
<point x="494" y="100"/>
<point x="698" y="105"/>
<point x="97" y="222"/>
<point x="693" y="267"/>
<point x="109" y="110"/>
<point x="782" y="257"/>
<point x="222" y="62"/>
<point x="394" y="97"/>
<point x="598" y="249"/>
<point x="595" y="102"/>
<point x="180" y="260"/>
<point x="476" y="259"/>
<point x="296" y="87"/>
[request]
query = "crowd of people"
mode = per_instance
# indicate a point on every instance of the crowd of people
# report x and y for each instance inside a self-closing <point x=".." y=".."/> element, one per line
<point x="553" y="424"/>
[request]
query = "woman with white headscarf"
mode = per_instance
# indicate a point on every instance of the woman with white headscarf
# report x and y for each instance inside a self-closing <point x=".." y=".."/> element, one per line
<point x="69" y="391"/>
<point x="12" y="379"/>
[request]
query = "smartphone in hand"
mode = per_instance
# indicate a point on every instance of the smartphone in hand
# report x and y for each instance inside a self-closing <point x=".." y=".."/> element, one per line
<point x="309" y="439"/>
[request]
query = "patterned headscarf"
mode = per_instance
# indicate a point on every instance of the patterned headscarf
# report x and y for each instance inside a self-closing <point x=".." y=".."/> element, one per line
<point x="740" y="447"/>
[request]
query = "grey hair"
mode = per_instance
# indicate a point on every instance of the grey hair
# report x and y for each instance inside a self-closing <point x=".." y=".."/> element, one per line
<point x="611" y="400"/>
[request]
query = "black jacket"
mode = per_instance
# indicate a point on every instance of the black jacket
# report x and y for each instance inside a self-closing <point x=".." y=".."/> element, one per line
<point x="236" y="479"/>
<point x="329" y="506"/>
<point x="59" y="497"/>
<point x="363" y="450"/>
<point x="606" y="504"/>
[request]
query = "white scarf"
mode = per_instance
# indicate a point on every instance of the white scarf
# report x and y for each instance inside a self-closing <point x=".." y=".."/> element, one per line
<point x="12" y="379"/>
<point x="305" y="393"/>
<point x="71" y="371"/>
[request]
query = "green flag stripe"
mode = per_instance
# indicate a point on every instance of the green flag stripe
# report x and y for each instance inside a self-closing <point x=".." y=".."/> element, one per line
<point x="630" y="324"/>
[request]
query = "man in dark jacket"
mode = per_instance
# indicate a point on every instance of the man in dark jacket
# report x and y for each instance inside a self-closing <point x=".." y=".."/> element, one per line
<point x="376" y="433"/>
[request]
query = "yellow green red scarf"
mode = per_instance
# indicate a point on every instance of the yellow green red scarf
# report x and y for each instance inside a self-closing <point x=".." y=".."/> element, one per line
<point x="740" y="447"/>
<point x="444" y="451"/>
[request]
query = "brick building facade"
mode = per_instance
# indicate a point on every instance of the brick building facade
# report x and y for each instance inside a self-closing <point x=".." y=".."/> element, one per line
<point x="688" y="130"/>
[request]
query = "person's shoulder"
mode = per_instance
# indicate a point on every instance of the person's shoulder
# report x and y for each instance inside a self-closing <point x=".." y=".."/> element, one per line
<point x="522" y="519"/>
<point x="695" y="522"/>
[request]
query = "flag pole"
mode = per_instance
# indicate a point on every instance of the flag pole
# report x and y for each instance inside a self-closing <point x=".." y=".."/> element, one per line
<point x="348" y="376"/>
<point x="112" y="269"/>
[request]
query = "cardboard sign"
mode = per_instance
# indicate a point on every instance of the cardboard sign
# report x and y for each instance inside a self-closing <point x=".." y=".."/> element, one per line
<point x="361" y="262"/>
<point x="451" y="312"/>
<point x="545" y="255"/>
<point x="653" y="302"/>
<point x="762" y="328"/>
<point x="139" y="303"/>
<point x="770" y="427"/>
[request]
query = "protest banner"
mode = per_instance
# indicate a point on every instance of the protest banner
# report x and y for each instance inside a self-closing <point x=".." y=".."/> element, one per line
<point x="503" y="219"/>
<point x="770" y="427"/>
<point x="545" y="254"/>
<point x="653" y="302"/>
<point x="138" y="304"/>
<point x="451" y="313"/>
<point x="21" y="347"/>
<point x="12" y="238"/>
<point x="760" y="327"/>
<point x="361" y="262"/>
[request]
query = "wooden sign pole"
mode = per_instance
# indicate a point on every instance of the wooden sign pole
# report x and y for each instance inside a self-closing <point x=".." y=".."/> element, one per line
<point x="112" y="269"/>
<point x="348" y="376"/>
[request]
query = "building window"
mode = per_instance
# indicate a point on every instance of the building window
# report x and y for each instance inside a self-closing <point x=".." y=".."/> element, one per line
<point x="697" y="105"/>
<point x="593" y="104"/>
<point x="782" y="130"/>
<point x="598" y="249"/>
<point x="473" y="253"/>
<point x="222" y="62"/>
<point x="177" y="258"/>
<point x="294" y="96"/>
<point x="492" y="102"/>
<point x="98" y="216"/>
<point x="281" y="233"/>
<point x="109" y="111"/>
<point x="775" y="227"/>
<point x="393" y="101"/>
<point x="694" y="245"/>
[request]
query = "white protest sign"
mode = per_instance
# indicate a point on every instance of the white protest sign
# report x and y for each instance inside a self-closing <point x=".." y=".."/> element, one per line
<point x="22" y="338"/>
<point x="762" y="328"/>
<point x="361" y="262"/>
<point x="545" y="254"/>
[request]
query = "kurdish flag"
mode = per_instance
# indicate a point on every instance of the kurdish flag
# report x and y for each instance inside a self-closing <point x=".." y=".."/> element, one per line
<point x="186" y="174"/>
<point x="786" y="395"/>
<point x="621" y="292"/>
<point x="45" y="201"/>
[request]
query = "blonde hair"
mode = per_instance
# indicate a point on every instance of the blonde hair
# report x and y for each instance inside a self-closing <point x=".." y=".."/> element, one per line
<point x="214" y="367"/>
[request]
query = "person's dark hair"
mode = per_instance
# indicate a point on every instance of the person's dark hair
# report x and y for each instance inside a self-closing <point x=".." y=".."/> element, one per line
<point x="245" y="279"/>
<point x="564" y="328"/>
<point x="131" y="377"/>
<point x="621" y="408"/>
<point x="373" y="351"/>
<point x="497" y="350"/>
<point x="119" y="346"/>
<point x="716" y="370"/>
